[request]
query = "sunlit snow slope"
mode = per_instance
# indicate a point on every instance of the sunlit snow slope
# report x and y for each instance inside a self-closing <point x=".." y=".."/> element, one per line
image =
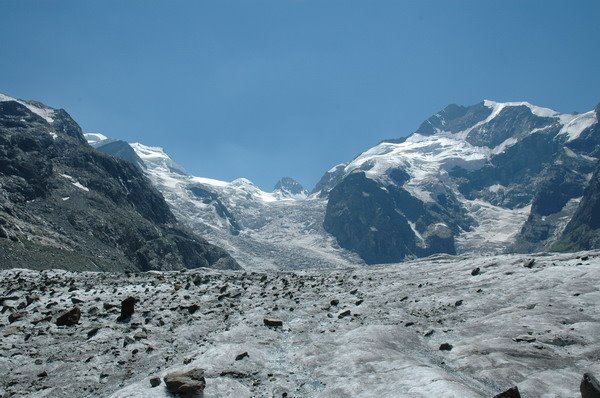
<point x="262" y="230"/>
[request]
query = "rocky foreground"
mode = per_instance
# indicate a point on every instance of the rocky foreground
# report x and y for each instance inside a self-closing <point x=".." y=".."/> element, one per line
<point x="437" y="327"/>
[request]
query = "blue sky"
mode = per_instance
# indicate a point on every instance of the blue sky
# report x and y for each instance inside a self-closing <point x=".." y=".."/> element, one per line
<point x="265" y="89"/>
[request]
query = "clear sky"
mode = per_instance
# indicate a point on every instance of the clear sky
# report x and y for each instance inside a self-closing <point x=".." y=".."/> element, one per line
<point x="265" y="89"/>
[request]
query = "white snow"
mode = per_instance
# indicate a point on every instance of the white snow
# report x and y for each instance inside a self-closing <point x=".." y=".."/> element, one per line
<point x="75" y="183"/>
<point x="496" y="230"/>
<point x="536" y="110"/>
<point x="575" y="124"/>
<point x="94" y="138"/>
<point x="44" y="113"/>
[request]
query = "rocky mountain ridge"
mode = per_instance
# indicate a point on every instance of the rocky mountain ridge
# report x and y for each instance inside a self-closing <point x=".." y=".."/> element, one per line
<point x="64" y="204"/>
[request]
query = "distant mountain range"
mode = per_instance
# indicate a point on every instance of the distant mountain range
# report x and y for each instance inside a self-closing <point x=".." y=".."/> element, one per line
<point x="487" y="178"/>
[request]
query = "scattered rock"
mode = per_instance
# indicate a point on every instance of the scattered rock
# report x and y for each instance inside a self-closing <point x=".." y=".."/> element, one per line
<point x="15" y="316"/>
<point x="42" y="375"/>
<point x="458" y="303"/>
<point x="529" y="263"/>
<point x="155" y="381"/>
<point x="512" y="392"/>
<point x="241" y="356"/>
<point x="31" y="298"/>
<point x="334" y="302"/>
<point x="524" y="337"/>
<point x="92" y="332"/>
<point x="190" y="382"/>
<point x="428" y="333"/>
<point x="69" y="318"/>
<point x="589" y="387"/>
<point x="344" y="314"/>
<point x="475" y="271"/>
<point x="127" y="309"/>
<point x="272" y="322"/>
<point x="446" y="347"/>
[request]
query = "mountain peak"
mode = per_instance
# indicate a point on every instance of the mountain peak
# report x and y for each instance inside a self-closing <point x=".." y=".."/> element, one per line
<point x="289" y="186"/>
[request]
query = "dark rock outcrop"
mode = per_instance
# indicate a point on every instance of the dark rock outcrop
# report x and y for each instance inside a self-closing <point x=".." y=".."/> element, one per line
<point x="583" y="231"/>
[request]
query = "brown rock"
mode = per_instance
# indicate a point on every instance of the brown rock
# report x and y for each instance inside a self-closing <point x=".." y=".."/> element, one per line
<point x="273" y="322"/>
<point x="190" y="382"/>
<point x="127" y="309"/>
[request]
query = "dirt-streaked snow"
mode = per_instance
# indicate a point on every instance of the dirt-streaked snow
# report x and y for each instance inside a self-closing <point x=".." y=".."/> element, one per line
<point x="387" y="346"/>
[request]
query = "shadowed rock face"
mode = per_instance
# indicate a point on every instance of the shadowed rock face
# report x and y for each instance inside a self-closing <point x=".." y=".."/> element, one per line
<point x="583" y="231"/>
<point x="65" y="205"/>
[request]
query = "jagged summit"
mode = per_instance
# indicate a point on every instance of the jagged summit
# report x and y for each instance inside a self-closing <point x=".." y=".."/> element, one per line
<point x="289" y="187"/>
<point x="475" y="170"/>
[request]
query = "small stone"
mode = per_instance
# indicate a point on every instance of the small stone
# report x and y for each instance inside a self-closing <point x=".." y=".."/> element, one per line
<point x="334" y="302"/>
<point x="92" y="332"/>
<point x="589" y="387"/>
<point x="446" y="347"/>
<point x="344" y="314"/>
<point x="127" y="309"/>
<point x="183" y="383"/>
<point x="15" y="316"/>
<point x="512" y="392"/>
<point x="428" y="333"/>
<point x="43" y="374"/>
<point x="458" y="303"/>
<point x="524" y="337"/>
<point x="475" y="271"/>
<point x="241" y="356"/>
<point x="529" y="263"/>
<point x="155" y="381"/>
<point x="69" y="318"/>
<point x="273" y="323"/>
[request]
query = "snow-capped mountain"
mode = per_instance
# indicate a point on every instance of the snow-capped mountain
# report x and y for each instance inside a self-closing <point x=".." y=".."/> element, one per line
<point x="262" y="230"/>
<point x="488" y="177"/>
<point x="493" y="177"/>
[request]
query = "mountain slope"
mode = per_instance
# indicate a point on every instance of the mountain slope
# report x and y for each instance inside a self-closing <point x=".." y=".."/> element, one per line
<point x="583" y="230"/>
<point x="282" y="229"/>
<point x="65" y="205"/>
<point x="477" y="178"/>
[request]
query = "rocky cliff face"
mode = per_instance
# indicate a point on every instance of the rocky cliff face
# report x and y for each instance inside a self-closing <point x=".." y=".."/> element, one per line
<point x="65" y="205"/>
<point x="583" y="231"/>
<point x="489" y="177"/>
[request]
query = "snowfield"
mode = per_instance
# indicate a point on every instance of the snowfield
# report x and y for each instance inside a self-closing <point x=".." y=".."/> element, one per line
<point x="525" y="320"/>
